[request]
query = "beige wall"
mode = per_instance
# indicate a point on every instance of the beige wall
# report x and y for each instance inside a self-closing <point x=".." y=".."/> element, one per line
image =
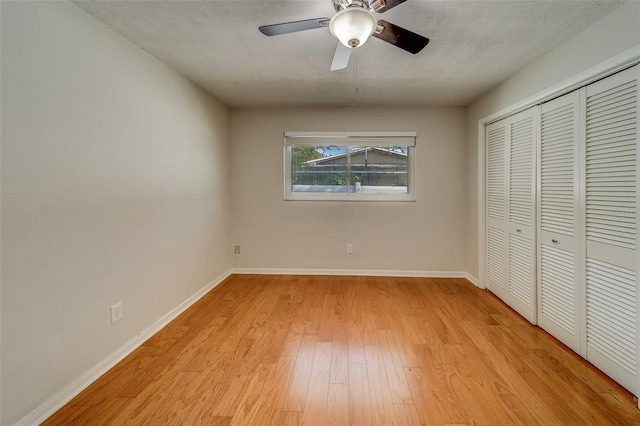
<point x="426" y="235"/>
<point x="114" y="187"/>
<point x="608" y="37"/>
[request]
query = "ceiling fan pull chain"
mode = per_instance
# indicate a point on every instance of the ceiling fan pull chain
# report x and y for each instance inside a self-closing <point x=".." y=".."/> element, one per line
<point x="355" y="78"/>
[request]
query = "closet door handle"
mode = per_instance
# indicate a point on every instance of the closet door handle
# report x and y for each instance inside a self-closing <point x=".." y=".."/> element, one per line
<point x="554" y="241"/>
<point x="518" y="230"/>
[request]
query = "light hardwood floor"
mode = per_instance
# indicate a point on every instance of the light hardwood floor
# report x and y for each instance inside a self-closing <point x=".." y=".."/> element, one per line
<point x="293" y="350"/>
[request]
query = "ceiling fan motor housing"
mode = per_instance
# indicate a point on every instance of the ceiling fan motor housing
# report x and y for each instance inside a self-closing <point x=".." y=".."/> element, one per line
<point x="372" y="5"/>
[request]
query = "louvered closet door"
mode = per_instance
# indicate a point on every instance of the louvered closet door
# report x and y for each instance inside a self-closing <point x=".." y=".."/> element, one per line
<point x="521" y="230"/>
<point x="496" y="250"/>
<point x="611" y="214"/>
<point x="558" y="250"/>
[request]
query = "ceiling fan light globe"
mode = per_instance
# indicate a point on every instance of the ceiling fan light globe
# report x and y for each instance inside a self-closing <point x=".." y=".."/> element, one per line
<point x="353" y="26"/>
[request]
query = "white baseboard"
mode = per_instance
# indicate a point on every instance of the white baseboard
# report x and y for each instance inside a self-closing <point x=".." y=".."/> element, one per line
<point x="61" y="398"/>
<point x="358" y="272"/>
<point x="473" y="280"/>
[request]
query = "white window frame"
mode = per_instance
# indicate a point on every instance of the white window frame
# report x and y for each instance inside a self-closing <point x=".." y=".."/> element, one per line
<point x="350" y="139"/>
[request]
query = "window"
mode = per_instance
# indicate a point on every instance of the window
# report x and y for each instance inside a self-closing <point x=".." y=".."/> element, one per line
<point x="349" y="166"/>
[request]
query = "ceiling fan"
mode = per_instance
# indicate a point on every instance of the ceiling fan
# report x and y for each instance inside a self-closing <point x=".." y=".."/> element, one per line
<point x="353" y="23"/>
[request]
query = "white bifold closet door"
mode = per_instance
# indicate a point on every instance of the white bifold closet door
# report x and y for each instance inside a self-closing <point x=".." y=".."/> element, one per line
<point x="610" y="215"/>
<point x="497" y="262"/>
<point x="511" y="148"/>
<point x="559" y="290"/>
<point x="523" y="133"/>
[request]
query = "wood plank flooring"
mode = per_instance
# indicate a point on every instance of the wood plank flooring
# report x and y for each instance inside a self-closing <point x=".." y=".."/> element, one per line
<point x="298" y="350"/>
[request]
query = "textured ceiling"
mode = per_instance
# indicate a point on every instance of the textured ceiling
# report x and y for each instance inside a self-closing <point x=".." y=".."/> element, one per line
<point x="474" y="46"/>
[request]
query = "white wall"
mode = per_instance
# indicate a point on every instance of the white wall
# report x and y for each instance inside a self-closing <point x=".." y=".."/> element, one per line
<point x="426" y="235"/>
<point x="608" y="37"/>
<point x="114" y="187"/>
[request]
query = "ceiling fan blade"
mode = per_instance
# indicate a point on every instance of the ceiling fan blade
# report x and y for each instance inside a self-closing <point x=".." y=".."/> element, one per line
<point x="400" y="37"/>
<point x="382" y="6"/>
<point x="294" y="26"/>
<point x="340" y="57"/>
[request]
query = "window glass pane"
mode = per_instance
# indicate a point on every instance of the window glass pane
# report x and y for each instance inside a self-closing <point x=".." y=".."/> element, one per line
<point x="323" y="168"/>
<point x="359" y="170"/>
<point x="380" y="170"/>
<point x="319" y="169"/>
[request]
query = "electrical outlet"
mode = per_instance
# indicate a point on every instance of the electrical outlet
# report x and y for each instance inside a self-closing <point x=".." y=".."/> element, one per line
<point x="349" y="248"/>
<point x="116" y="312"/>
<point x="236" y="250"/>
